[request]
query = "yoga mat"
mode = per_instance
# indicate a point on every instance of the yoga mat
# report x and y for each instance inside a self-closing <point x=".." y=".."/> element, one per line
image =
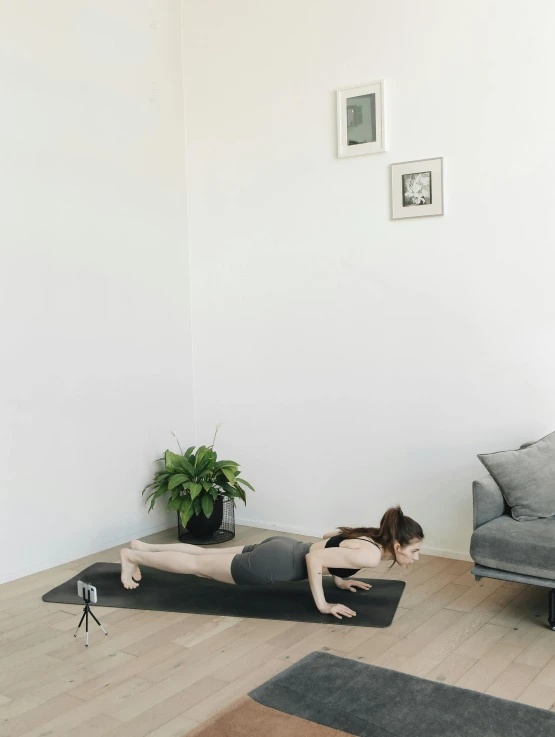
<point x="174" y="592"/>
<point x="324" y="695"/>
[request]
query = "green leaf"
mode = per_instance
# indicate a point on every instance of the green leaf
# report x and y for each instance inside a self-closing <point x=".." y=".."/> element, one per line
<point x="186" y="511"/>
<point x="226" y="464"/>
<point x="177" y="480"/>
<point x="229" y="474"/>
<point x="201" y="452"/>
<point x="160" y="491"/>
<point x="196" y="506"/>
<point x="207" y="505"/>
<point x="204" y="467"/>
<point x="228" y="487"/>
<point x="170" y="460"/>
<point x="158" y="476"/>
<point x="185" y="466"/>
<point x="149" y="486"/>
<point x="214" y="493"/>
<point x="195" y="490"/>
<point x="206" y="485"/>
<point x="177" y="463"/>
<point x="189" y="451"/>
<point x="246" y="483"/>
<point x="242" y="494"/>
<point x="185" y="517"/>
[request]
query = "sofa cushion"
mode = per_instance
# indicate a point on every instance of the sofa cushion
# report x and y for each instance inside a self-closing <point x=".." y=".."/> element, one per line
<point x="526" y="478"/>
<point x="520" y="547"/>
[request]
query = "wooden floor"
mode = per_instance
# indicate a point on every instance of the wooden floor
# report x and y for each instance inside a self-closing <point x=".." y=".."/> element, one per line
<point x="160" y="674"/>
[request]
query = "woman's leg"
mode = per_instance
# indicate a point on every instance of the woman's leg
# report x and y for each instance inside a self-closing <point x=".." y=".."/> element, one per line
<point x="181" y="548"/>
<point x="217" y="567"/>
<point x="177" y="548"/>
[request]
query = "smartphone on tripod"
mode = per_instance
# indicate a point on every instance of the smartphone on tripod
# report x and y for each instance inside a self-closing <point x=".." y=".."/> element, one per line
<point x="89" y="595"/>
<point x="87" y="591"/>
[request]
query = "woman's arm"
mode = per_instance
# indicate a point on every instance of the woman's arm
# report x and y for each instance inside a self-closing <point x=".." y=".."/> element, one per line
<point x="315" y="562"/>
<point x="314" y="567"/>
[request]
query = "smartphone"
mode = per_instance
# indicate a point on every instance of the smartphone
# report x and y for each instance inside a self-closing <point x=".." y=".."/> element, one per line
<point x="87" y="591"/>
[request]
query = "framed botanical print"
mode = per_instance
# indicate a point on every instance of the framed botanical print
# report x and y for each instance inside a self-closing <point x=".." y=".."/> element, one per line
<point x="417" y="188"/>
<point x="360" y="120"/>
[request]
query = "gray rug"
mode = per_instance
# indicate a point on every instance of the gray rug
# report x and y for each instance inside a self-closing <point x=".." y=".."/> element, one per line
<point x="369" y="701"/>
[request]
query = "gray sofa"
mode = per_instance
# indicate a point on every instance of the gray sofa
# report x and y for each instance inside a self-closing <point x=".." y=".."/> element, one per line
<point x="502" y="547"/>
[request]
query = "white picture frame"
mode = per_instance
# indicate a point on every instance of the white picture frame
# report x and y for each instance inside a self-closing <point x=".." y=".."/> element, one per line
<point x="361" y="120"/>
<point x="417" y="188"/>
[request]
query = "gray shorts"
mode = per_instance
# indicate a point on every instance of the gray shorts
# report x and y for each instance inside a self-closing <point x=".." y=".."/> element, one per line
<point x="276" y="558"/>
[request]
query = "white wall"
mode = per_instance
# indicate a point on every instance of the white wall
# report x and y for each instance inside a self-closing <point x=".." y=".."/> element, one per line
<point x="355" y="361"/>
<point x="94" y="286"/>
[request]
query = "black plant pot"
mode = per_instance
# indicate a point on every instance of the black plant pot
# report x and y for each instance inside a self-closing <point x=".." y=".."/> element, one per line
<point x="203" y="526"/>
<point x="218" y="528"/>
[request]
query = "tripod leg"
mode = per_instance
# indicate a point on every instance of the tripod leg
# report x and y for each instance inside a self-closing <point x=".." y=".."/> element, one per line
<point x="87" y="627"/>
<point x="98" y="623"/>
<point x="81" y="622"/>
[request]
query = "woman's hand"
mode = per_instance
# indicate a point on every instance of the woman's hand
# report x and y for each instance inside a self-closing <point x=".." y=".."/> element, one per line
<point x="353" y="585"/>
<point x="337" y="610"/>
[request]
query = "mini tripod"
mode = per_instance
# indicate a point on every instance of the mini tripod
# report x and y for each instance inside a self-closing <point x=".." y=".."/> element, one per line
<point x="86" y="593"/>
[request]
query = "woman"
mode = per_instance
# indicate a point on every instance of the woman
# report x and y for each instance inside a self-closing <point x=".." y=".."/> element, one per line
<point x="341" y="553"/>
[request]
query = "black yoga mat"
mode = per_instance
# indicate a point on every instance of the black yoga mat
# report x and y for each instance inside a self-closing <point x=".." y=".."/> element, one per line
<point x="175" y="592"/>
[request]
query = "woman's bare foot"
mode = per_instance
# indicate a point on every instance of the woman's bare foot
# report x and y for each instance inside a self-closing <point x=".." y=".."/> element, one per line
<point x="127" y="569"/>
<point x="138" y="545"/>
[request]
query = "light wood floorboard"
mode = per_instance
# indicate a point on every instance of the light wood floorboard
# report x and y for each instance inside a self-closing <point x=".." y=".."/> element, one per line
<point x="160" y="674"/>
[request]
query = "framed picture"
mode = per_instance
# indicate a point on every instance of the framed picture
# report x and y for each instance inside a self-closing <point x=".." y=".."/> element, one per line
<point x="360" y="120"/>
<point x="417" y="188"/>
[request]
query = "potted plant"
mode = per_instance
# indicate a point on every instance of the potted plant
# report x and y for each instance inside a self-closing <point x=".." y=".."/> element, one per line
<point x="196" y="485"/>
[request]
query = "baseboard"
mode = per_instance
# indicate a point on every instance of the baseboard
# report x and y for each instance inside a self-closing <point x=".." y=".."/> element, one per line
<point x="447" y="554"/>
<point x="261" y="524"/>
<point x="47" y="563"/>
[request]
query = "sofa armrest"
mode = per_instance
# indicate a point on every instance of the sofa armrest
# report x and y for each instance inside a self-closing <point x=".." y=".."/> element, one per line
<point x="488" y="501"/>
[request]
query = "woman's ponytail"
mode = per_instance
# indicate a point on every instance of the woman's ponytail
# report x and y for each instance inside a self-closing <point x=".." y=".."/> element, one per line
<point x="394" y="527"/>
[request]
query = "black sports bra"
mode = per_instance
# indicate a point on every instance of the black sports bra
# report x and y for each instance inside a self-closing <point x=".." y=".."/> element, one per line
<point x="334" y="542"/>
